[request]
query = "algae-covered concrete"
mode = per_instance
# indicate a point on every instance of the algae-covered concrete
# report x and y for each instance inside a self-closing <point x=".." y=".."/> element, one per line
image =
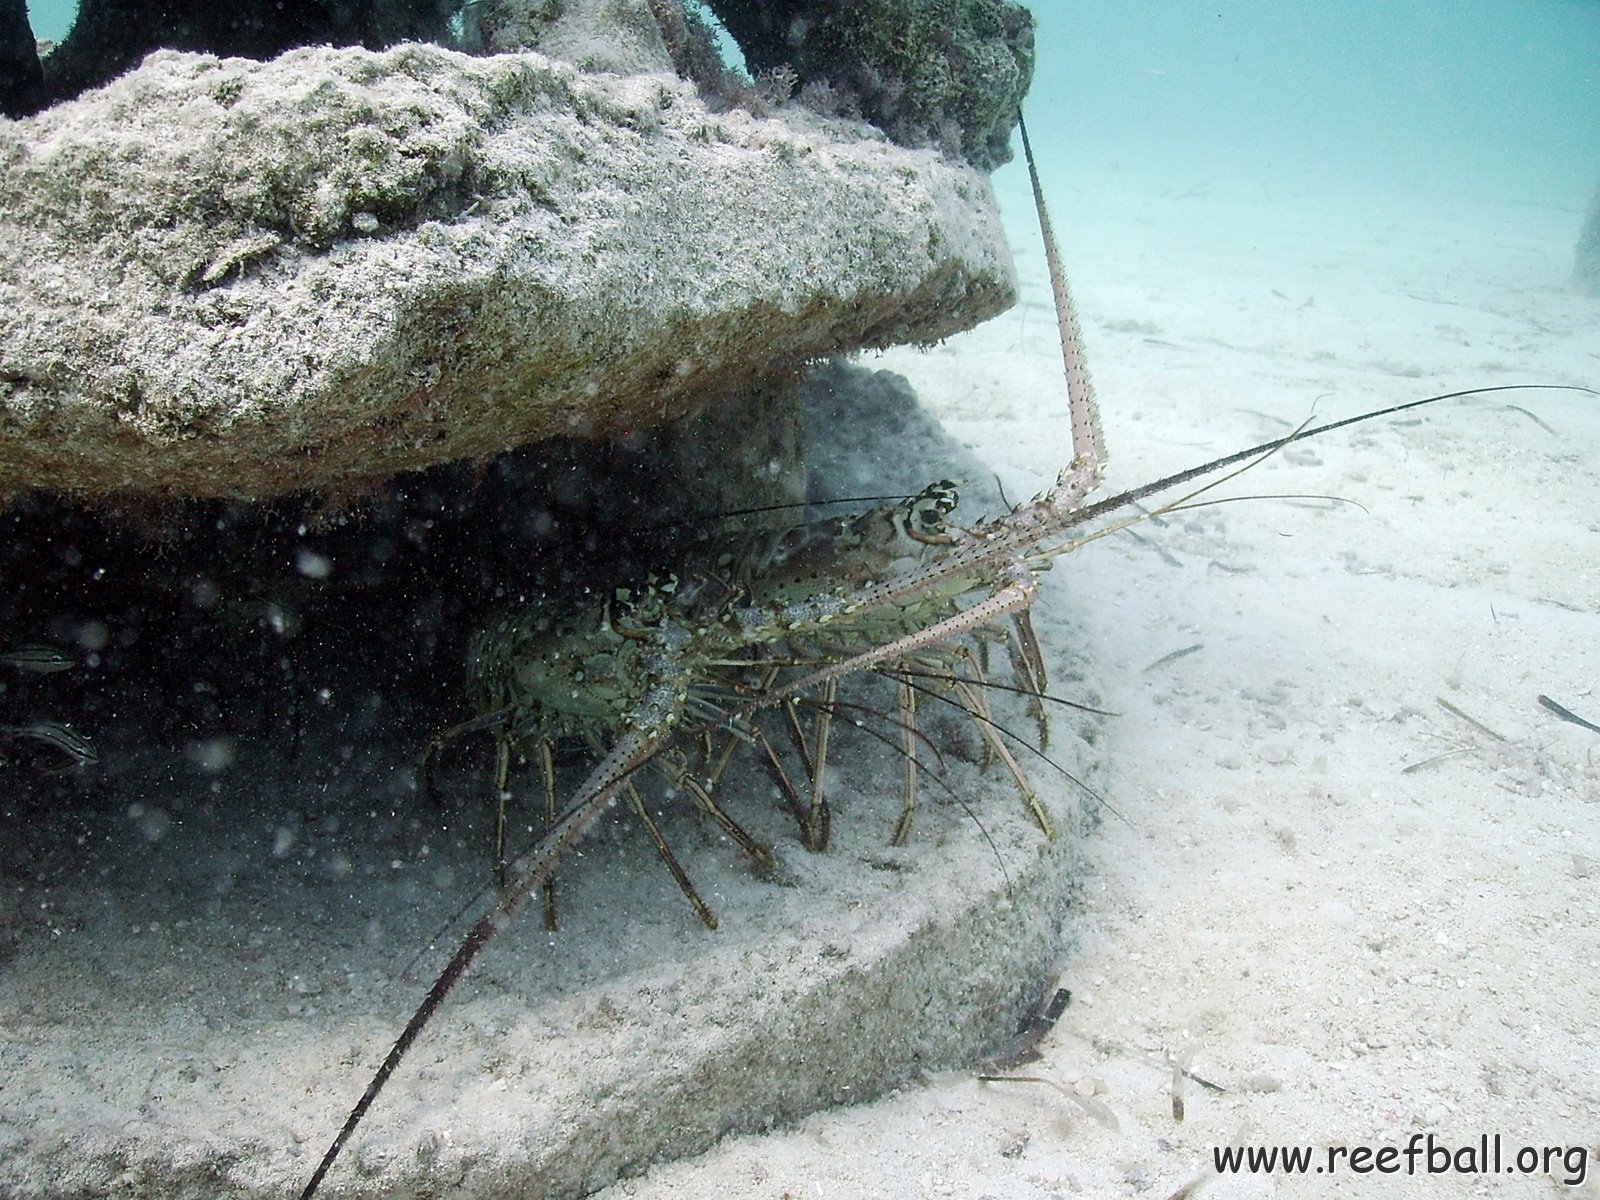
<point x="221" y="277"/>
<point x="950" y="73"/>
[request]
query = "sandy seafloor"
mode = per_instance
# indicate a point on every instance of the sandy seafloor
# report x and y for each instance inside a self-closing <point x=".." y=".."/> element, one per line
<point x="1361" y="913"/>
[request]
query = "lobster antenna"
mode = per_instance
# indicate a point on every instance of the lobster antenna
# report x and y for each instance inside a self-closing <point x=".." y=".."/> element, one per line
<point x="1088" y="445"/>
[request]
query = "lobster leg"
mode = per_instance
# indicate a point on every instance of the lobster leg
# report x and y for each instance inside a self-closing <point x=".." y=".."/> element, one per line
<point x="502" y="778"/>
<point x="679" y="776"/>
<point x="908" y="750"/>
<point x="685" y="884"/>
<point x="547" y="770"/>
<point x="819" y="818"/>
<point x="979" y="710"/>
<point x="1027" y="661"/>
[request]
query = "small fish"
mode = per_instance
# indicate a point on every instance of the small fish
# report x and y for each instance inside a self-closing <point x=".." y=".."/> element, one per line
<point x="74" y="745"/>
<point x="38" y="660"/>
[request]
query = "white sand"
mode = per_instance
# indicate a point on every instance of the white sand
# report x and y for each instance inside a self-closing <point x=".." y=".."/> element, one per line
<point x="1362" y="913"/>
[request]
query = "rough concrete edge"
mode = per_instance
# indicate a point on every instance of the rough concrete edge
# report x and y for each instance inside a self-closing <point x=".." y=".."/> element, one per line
<point x="827" y="1034"/>
<point x="764" y="1021"/>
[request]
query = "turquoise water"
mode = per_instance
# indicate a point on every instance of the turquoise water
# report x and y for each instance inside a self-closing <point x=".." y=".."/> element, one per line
<point x="1489" y="95"/>
<point x="1496" y="95"/>
<point x="51" y="18"/>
